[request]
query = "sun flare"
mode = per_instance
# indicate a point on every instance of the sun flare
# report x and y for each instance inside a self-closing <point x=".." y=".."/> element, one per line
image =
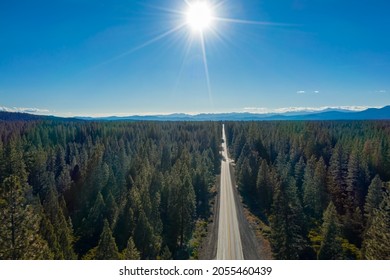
<point x="204" y="19"/>
<point x="199" y="16"/>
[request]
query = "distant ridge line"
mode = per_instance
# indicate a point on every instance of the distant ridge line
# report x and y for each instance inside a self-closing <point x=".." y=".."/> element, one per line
<point x="368" y="114"/>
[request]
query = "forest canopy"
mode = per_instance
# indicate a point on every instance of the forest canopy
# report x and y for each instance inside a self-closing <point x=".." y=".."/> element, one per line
<point x="140" y="190"/>
<point x="322" y="188"/>
<point x="104" y="190"/>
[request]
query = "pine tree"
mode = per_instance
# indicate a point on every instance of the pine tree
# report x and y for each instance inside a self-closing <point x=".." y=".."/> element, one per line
<point x="111" y="209"/>
<point x="91" y="226"/>
<point x="63" y="181"/>
<point x="337" y="178"/>
<point x="331" y="244"/>
<point x="166" y="254"/>
<point x="124" y="228"/>
<point x="15" y="164"/>
<point x="376" y="245"/>
<point x="288" y="232"/>
<point x="107" y="249"/>
<point x="181" y="206"/>
<point x="48" y="233"/>
<point x="143" y="237"/>
<point x="352" y="181"/>
<point x="353" y="226"/>
<point x="320" y="180"/>
<point x="373" y="198"/>
<point x="299" y="172"/>
<point x="311" y="192"/>
<point x="245" y="178"/>
<point x="166" y="158"/>
<point x="56" y="218"/>
<point x="130" y="252"/>
<point x="186" y="208"/>
<point x="20" y="222"/>
<point x="264" y="188"/>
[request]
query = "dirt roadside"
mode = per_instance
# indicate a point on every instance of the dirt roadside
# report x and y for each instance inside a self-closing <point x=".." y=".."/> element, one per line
<point x="254" y="245"/>
<point x="208" y="249"/>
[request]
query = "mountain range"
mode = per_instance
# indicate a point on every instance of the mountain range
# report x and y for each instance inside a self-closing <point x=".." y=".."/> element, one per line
<point x="328" y="114"/>
<point x="369" y="114"/>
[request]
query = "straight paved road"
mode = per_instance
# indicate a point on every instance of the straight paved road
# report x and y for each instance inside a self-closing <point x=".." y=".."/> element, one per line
<point x="229" y="241"/>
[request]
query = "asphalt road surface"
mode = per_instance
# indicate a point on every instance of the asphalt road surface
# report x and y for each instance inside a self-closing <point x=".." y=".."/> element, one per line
<point x="229" y="241"/>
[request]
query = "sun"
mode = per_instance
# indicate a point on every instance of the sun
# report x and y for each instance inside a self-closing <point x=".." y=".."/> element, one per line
<point x="199" y="16"/>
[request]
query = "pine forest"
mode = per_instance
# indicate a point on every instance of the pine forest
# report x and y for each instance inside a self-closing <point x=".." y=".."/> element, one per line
<point x="144" y="190"/>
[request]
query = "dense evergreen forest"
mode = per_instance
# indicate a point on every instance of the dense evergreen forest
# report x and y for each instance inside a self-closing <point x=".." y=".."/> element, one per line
<point x="321" y="188"/>
<point x="141" y="190"/>
<point x="107" y="190"/>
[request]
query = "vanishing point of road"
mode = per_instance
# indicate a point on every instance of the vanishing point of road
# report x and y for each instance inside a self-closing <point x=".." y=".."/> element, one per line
<point x="229" y="245"/>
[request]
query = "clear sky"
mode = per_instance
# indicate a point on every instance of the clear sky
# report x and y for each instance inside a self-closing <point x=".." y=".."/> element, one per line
<point x="122" y="57"/>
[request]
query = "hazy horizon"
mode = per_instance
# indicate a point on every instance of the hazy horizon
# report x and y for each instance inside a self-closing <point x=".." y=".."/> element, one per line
<point x="260" y="111"/>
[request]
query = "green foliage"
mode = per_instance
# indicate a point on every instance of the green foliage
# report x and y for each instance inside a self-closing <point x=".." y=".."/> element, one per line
<point x="311" y="191"/>
<point x="376" y="245"/>
<point x="350" y="251"/>
<point x="144" y="237"/>
<point x="130" y="252"/>
<point x="288" y="234"/>
<point x="316" y="239"/>
<point x="90" y="255"/>
<point x="20" y="222"/>
<point x="299" y="168"/>
<point x="264" y="187"/>
<point x="374" y="198"/>
<point x="195" y="243"/>
<point x="107" y="249"/>
<point x="166" y="254"/>
<point x="150" y="181"/>
<point x="331" y="247"/>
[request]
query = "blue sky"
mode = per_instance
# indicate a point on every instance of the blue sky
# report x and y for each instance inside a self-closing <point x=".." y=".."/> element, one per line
<point x="89" y="57"/>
